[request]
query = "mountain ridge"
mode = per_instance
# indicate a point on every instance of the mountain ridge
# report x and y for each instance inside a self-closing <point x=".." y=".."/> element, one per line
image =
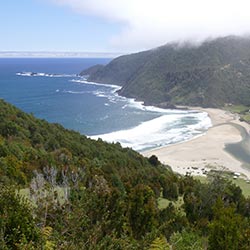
<point x="210" y="75"/>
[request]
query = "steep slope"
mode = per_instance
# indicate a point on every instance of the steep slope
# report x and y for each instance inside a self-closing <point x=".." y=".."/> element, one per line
<point x="212" y="74"/>
<point x="28" y="144"/>
<point x="92" y="70"/>
<point x="109" y="193"/>
<point x="93" y="195"/>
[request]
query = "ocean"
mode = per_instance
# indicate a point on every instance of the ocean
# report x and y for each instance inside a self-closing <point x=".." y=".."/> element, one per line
<point x="51" y="89"/>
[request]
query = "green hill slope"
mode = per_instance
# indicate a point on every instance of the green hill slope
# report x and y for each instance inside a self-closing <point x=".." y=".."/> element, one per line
<point x="109" y="193"/>
<point x="28" y="144"/>
<point x="212" y="74"/>
<point x="85" y="194"/>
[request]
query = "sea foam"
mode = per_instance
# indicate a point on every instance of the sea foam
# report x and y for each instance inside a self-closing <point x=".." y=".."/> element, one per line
<point x="115" y="87"/>
<point x="171" y="126"/>
<point x="39" y="74"/>
<point x="167" y="127"/>
<point x="161" y="131"/>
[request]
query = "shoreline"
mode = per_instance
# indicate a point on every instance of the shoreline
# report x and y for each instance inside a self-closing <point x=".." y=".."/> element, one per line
<point x="208" y="151"/>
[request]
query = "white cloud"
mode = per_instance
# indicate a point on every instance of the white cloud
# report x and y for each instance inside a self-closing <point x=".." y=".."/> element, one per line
<point x="150" y="23"/>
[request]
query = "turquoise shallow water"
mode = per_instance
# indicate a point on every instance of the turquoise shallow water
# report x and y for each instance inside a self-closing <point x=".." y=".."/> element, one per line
<point x="52" y="90"/>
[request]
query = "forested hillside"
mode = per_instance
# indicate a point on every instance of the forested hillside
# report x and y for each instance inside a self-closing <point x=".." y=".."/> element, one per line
<point x="210" y="75"/>
<point x="61" y="190"/>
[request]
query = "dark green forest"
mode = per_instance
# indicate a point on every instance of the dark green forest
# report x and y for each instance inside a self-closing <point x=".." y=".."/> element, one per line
<point x="213" y="74"/>
<point x="62" y="190"/>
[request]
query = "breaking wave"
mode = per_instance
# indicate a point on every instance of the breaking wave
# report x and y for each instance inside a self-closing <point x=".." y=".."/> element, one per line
<point x="167" y="129"/>
<point x="165" y="126"/>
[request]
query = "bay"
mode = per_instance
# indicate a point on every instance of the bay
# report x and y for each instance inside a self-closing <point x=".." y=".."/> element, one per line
<point x="51" y="89"/>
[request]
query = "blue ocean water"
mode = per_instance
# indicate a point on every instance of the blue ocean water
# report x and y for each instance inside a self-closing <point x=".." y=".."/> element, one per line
<point x="51" y="89"/>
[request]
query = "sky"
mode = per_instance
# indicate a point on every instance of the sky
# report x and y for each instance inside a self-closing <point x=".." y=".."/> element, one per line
<point x="116" y="25"/>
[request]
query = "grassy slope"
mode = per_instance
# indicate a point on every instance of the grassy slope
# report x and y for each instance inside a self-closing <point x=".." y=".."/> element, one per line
<point x="241" y="110"/>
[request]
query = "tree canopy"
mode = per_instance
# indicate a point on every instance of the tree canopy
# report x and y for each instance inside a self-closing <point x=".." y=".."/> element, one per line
<point x="62" y="190"/>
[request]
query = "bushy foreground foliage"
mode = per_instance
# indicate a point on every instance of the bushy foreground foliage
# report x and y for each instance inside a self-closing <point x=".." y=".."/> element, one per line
<point x="84" y="194"/>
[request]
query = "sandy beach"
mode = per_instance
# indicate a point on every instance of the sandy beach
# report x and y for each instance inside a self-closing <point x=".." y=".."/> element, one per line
<point x="207" y="151"/>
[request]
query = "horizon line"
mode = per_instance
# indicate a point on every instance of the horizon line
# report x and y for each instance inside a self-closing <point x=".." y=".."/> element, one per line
<point x="57" y="54"/>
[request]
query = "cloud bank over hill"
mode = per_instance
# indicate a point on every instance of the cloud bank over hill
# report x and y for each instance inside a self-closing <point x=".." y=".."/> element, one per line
<point x="147" y="24"/>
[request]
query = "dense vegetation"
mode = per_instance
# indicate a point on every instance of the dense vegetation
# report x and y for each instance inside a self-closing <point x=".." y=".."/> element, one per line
<point x="61" y="190"/>
<point x="212" y="74"/>
<point x="241" y="110"/>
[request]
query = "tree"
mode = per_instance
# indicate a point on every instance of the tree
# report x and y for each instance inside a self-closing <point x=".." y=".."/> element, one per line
<point x="154" y="160"/>
<point x="226" y="228"/>
<point x="142" y="210"/>
<point x="16" y="222"/>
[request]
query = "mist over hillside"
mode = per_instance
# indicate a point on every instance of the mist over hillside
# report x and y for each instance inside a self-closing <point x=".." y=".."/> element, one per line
<point x="210" y="75"/>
